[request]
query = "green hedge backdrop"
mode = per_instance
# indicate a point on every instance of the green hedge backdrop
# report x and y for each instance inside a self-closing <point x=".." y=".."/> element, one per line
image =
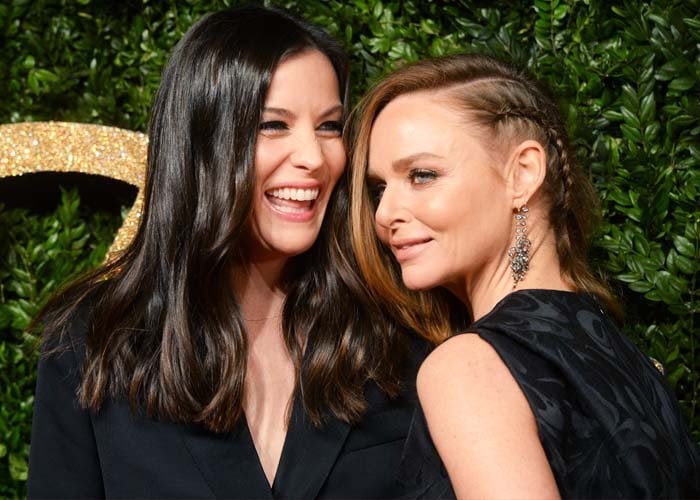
<point x="627" y="74"/>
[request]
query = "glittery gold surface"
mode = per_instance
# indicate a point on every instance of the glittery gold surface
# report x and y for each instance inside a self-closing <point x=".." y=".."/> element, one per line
<point x="77" y="147"/>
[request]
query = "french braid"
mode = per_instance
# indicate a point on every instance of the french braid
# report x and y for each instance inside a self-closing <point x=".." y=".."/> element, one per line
<point x="514" y="106"/>
<point x="509" y="105"/>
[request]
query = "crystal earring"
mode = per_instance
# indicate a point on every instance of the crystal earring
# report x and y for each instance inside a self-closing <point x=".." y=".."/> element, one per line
<point x="520" y="253"/>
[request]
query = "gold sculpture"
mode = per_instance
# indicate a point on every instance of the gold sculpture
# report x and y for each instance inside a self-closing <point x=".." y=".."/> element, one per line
<point x="116" y="153"/>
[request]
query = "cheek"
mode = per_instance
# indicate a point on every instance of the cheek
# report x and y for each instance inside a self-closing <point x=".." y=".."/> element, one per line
<point x="382" y="233"/>
<point x="441" y="212"/>
<point x="458" y="217"/>
<point x="334" y="154"/>
<point x="267" y="158"/>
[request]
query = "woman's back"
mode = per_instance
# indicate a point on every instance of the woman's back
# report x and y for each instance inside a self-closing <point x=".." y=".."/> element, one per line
<point x="608" y="423"/>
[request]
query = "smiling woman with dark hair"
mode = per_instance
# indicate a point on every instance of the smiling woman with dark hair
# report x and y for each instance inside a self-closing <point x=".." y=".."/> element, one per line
<point x="230" y="351"/>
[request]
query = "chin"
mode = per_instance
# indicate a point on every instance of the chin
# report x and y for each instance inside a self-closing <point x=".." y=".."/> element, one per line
<point x="418" y="281"/>
<point x="290" y="243"/>
<point x="292" y="249"/>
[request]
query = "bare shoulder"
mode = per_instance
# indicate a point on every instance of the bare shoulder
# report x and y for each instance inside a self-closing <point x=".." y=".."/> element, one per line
<point x="465" y="360"/>
<point x="481" y="423"/>
<point x="464" y="383"/>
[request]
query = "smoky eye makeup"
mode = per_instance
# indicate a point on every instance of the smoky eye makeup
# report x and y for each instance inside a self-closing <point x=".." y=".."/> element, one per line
<point x="334" y="127"/>
<point x="273" y="126"/>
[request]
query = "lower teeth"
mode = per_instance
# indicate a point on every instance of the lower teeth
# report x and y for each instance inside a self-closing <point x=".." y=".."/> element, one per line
<point x="290" y="210"/>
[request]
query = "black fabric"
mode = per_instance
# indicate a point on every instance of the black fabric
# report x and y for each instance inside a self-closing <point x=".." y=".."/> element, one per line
<point x="608" y="423"/>
<point x="79" y="454"/>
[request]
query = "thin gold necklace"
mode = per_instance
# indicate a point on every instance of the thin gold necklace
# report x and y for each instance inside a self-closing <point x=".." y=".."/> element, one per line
<point x="262" y="319"/>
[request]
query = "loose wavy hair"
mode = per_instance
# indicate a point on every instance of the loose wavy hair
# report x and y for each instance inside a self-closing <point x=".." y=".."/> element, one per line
<point x="164" y="329"/>
<point x="507" y="105"/>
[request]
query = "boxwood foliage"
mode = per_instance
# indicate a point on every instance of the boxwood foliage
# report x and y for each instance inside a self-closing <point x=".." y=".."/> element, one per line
<point x="37" y="253"/>
<point x="627" y="74"/>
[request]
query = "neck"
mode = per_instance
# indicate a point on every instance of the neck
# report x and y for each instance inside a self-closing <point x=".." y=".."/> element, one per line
<point x="257" y="287"/>
<point x="494" y="281"/>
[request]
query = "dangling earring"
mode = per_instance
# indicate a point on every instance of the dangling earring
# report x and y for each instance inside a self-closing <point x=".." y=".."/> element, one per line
<point x="520" y="253"/>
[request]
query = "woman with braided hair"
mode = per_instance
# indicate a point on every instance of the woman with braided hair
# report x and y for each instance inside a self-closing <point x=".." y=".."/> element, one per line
<point x="462" y="167"/>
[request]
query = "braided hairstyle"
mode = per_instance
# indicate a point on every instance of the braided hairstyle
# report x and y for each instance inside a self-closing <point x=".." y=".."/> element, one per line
<point x="509" y="106"/>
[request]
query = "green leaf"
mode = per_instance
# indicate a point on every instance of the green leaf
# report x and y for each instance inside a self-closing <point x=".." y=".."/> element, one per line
<point x="674" y="67"/>
<point x="647" y="109"/>
<point x="686" y="265"/>
<point x="542" y="6"/>
<point x="629" y="277"/>
<point x="18" y="467"/>
<point x="377" y="10"/>
<point x="682" y="83"/>
<point x="651" y="132"/>
<point x="684" y="246"/>
<point x="28" y="62"/>
<point x="641" y="286"/>
<point x="630" y="100"/>
<point x="631" y="133"/>
<point x="675" y="376"/>
<point x="613" y="115"/>
<point x="33" y="82"/>
<point x="630" y="118"/>
<point x="560" y="12"/>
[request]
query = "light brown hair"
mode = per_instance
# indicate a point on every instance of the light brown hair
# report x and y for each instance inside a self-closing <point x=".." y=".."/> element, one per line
<point x="508" y="105"/>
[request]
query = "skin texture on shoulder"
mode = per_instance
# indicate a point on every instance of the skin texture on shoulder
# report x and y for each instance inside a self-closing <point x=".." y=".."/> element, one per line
<point x="481" y="423"/>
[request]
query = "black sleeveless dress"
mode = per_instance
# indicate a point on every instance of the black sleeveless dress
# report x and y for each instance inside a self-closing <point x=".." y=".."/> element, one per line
<point x="608" y="423"/>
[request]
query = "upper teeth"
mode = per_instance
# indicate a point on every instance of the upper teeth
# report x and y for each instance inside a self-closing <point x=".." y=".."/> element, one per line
<point x="295" y="194"/>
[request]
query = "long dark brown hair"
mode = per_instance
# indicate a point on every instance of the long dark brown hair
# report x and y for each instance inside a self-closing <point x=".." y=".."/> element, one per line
<point x="164" y="329"/>
<point x="508" y="104"/>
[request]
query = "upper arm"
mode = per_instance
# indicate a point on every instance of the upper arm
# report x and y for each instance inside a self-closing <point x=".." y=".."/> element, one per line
<point x="63" y="459"/>
<point x="482" y="424"/>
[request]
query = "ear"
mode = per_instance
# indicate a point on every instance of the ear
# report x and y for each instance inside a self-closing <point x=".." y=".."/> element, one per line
<point x="527" y="170"/>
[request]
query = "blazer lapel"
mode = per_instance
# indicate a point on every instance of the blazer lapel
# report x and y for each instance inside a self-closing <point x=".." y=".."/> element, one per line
<point x="308" y="454"/>
<point x="228" y="462"/>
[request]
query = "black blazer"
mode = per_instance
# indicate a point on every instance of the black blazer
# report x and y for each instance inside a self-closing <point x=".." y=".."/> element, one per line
<point x="75" y="453"/>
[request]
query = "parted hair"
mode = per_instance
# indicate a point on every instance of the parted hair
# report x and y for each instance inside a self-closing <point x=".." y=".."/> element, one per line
<point x="508" y="105"/>
<point x="164" y="329"/>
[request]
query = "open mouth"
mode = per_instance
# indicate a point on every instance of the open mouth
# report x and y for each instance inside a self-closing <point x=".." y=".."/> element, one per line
<point x="292" y="200"/>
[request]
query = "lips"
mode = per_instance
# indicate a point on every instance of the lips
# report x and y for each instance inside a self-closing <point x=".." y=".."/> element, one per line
<point x="409" y="248"/>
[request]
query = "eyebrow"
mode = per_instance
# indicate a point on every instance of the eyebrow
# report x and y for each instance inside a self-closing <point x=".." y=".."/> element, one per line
<point x="402" y="164"/>
<point x="338" y="108"/>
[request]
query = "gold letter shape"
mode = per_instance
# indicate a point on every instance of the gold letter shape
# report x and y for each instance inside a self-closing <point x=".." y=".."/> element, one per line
<point x="79" y="147"/>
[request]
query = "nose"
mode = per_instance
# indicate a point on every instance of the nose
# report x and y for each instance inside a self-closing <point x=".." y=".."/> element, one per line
<point x="308" y="151"/>
<point x="390" y="211"/>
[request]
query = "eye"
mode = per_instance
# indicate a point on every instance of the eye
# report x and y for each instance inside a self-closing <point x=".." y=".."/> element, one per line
<point x="376" y="190"/>
<point x="422" y="176"/>
<point x="332" y="127"/>
<point x="273" y="126"/>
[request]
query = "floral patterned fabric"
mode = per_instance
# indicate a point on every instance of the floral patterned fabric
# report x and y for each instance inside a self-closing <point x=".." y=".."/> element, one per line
<point x="609" y="424"/>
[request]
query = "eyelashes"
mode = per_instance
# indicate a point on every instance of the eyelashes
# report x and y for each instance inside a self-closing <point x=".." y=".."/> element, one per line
<point x="333" y="128"/>
<point x="422" y="176"/>
<point x="273" y="125"/>
<point x="376" y="190"/>
<point x="417" y="177"/>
